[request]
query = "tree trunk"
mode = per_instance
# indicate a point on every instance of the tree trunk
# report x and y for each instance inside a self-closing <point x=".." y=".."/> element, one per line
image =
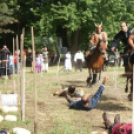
<point x="73" y="41"/>
<point x="69" y="41"/>
<point x="75" y="45"/>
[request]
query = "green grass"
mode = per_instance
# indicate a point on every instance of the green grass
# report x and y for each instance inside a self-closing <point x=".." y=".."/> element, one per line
<point x="54" y="116"/>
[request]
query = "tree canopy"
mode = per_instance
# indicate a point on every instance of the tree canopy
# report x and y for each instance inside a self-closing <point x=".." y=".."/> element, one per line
<point x="73" y="20"/>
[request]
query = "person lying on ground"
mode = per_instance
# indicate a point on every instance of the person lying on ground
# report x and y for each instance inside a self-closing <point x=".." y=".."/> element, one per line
<point x="71" y="90"/>
<point x="87" y="102"/>
<point x="116" y="127"/>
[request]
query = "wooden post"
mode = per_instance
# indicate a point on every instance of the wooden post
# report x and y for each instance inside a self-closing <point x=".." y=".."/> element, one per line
<point x="35" y="91"/>
<point x="22" y="77"/>
<point x="13" y="68"/>
<point x="18" y="76"/>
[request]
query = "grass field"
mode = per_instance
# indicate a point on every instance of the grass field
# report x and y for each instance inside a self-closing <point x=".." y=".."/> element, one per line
<point x="54" y="116"/>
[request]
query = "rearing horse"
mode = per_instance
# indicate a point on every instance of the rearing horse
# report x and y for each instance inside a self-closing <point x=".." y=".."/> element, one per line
<point x="94" y="56"/>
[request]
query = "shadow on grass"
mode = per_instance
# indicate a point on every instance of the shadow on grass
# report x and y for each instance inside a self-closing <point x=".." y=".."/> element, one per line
<point x="109" y="106"/>
<point x="76" y="81"/>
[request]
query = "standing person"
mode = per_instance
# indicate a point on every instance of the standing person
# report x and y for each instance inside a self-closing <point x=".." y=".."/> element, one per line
<point x="31" y="59"/>
<point x="38" y="62"/>
<point x="45" y="59"/>
<point x="19" y="54"/>
<point x="11" y="63"/>
<point x="78" y="59"/>
<point x="15" y="61"/>
<point x="122" y="36"/>
<point x="116" y="57"/>
<point x="68" y="64"/>
<point x="4" y="61"/>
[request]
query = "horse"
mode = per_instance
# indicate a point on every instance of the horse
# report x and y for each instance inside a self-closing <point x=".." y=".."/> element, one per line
<point x="129" y="74"/>
<point x="96" y="62"/>
<point x="97" y="39"/>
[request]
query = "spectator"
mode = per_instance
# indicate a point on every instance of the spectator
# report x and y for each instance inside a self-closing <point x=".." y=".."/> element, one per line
<point x="78" y="59"/>
<point x="68" y="64"/>
<point x="11" y="63"/>
<point x="38" y="62"/>
<point x="116" y="57"/>
<point x="4" y="61"/>
<point x="45" y="59"/>
<point x="15" y="61"/>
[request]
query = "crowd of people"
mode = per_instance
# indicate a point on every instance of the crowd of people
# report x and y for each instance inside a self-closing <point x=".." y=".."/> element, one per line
<point x="8" y="60"/>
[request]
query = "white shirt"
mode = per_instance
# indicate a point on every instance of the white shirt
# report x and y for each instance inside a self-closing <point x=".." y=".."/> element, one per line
<point x="79" y="56"/>
<point x="38" y="60"/>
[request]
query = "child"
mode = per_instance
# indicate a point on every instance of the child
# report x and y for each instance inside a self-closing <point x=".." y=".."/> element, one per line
<point x="15" y="61"/>
<point x="38" y="62"/>
<point x="11" y="63"/>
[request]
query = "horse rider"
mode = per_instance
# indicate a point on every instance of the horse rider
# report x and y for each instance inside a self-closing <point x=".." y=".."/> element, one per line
<point x="98" y="35"/>
<point x="123" y="36"/>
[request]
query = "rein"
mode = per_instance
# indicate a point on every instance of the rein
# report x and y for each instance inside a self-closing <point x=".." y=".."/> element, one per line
<point x="99" y="45"/>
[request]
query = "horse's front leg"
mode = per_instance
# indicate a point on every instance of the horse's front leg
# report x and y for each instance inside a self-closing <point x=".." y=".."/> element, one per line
<point x="126" y="89"/>
<point x="130" y="96"/>
<point x="94" y="81"/>
<point x="131" y="84"/>
<point x="90" y="77"/>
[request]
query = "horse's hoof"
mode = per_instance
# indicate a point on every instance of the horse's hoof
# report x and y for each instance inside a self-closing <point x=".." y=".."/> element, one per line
<point x="94" y="82"/>
<point x="130" y="97"/>
<point x="126" y="90"/>
<point x="90" y="86"/>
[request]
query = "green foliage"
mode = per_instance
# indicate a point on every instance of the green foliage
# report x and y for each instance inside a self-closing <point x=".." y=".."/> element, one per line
<point x="75" y="17"/>
<point x="7" y="10"/>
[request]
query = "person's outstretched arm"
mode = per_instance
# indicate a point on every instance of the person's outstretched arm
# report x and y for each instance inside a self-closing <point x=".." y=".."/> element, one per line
<point x="68" y="98"/>
<point x="96" y="97"/>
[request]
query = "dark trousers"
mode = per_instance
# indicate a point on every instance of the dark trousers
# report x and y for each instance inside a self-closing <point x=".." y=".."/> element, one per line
<point x="125" y="58"/>
<point x="15" y="67"/>
<point x="78" y="65"/>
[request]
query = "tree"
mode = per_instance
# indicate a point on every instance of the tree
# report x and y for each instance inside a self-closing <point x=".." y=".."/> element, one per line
<point x="8" y="20"/>
<point x="6" y="15"/>
<point x="73" y="20"/>
<point x="78" y="17"/>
